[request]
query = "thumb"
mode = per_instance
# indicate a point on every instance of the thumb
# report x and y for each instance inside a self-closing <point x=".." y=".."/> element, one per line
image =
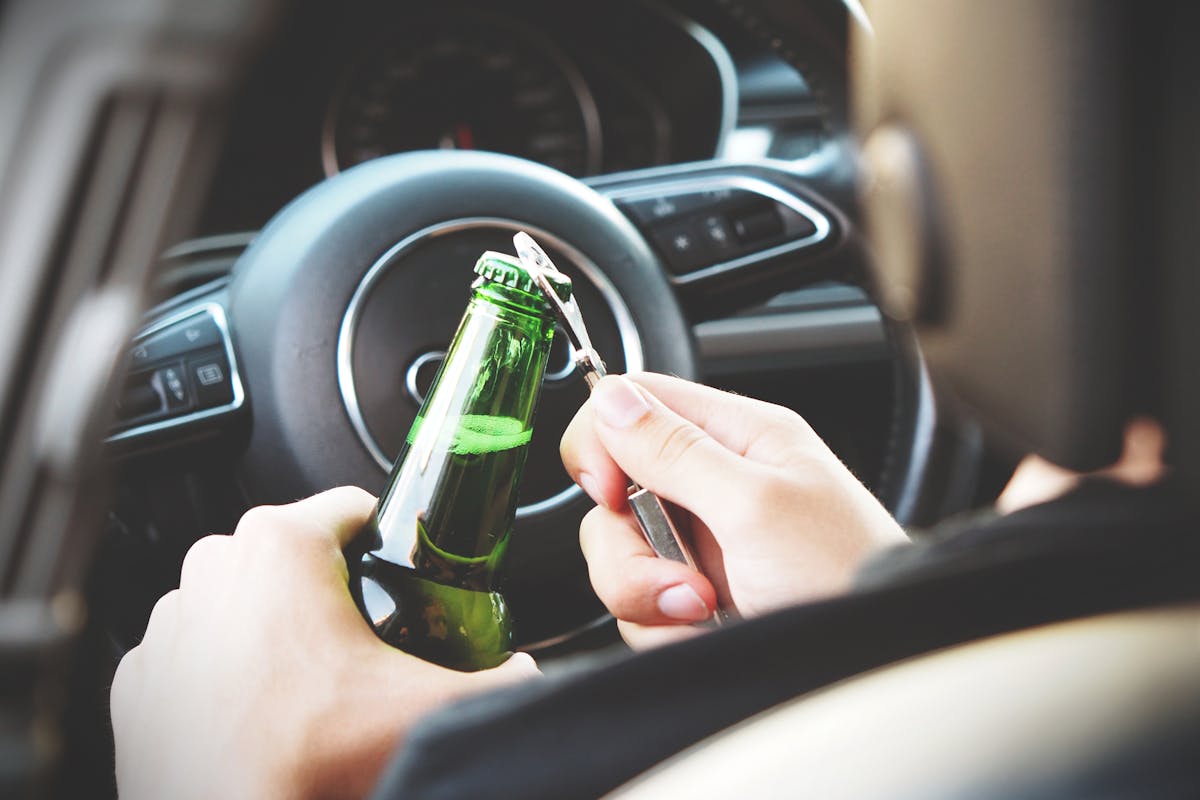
<point x="664" y="452"/>
<point x="516" y="668"/>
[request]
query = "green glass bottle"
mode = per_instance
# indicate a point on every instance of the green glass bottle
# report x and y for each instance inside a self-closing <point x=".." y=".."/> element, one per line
<point x="424" y="570"/>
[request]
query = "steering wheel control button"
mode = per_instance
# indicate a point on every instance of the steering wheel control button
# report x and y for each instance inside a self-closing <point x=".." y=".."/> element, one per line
<point x="710" y="225"/>
<point x="651" y="210"/>
<point x="182" y="372"/>
<point x="716" y="232"/>
<point x="758" y="226"/>
<point x="795" y="224"/>
<point x="154" y="394"/>
<point x="194" y="333"/>
<point x="209" y="374"/>
<point x="138" y="398"/>
<point x="169" y="381"/>
<point x="682" y="245"/>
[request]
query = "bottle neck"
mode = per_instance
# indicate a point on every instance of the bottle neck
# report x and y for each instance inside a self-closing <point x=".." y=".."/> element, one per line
<point x="511" y="299"/>
<point x="452" y="497"/>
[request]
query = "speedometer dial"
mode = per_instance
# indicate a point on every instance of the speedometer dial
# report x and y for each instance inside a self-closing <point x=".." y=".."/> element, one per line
<point x="477" y="85"/>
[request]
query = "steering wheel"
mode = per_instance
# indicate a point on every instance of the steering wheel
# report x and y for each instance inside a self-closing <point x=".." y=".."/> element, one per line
<point x="318" y="349"/>
<point x="332" y="325"/>
<point x="348" y="298"/>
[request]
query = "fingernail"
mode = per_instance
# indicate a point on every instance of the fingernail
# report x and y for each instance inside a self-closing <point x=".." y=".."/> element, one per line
<point x="618" y="403"/>
<point x="589" y="485"/>
<point x="681" y="602"/>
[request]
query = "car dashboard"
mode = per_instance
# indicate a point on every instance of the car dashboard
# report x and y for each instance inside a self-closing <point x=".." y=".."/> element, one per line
<point x="598" y="91"/>
<point x="589" y="89"/>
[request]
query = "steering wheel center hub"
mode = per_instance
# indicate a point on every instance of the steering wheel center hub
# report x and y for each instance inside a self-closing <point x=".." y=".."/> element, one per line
<point x="364" y="273"/>
<point x="387" y="357"/>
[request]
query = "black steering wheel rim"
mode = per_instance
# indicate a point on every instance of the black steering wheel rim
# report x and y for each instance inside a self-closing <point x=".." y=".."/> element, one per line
<point x="290" y="292"/>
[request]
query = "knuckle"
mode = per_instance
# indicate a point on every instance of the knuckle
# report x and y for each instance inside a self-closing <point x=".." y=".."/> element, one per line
<point x="260" y="519"/>
<point x="123" y="673"/>
<point x="585" y="537"/>
<point x="784" y="416"/>
<point x="777" y="419"/>
<point x="625" y="604"/>
<point x="125" y="679"/>
<point x="677" y="443"/>
<point x="631" y="597"/>
<point x="593" y="529"/>
<point x="161" y="616"/>
<point x="568" y="444"/>
<point x="350" y="496"/>
<point x="200" y="557"/>
<point x="592" y="521"/>
<point x="269" y="529"/>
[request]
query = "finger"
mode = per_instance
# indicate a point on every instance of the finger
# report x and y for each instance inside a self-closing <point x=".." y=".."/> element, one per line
<point x="337" y="514"/>
<point x="202" y="559"/>
<point x="635" y="584"/>
<point x="162" y="616"/>
<point x="643" y="637"/>
<point x="666" y="453"/>
<point x="517" y="668"/>
<point x="122" y="696"/>
<point x="763" y="432"/>
<point x="589" y="464"/>
<point x="441" y="685"/>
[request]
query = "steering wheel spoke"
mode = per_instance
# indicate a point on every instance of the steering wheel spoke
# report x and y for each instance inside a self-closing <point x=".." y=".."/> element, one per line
<point x="183" y="380"/>
<point x="721" y="228"/>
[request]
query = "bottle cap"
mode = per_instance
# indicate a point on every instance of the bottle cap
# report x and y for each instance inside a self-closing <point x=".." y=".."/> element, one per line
<point x="509" y="271"/>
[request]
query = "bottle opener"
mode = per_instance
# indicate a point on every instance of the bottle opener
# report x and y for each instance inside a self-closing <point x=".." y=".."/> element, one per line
<point x="648" y="508"/>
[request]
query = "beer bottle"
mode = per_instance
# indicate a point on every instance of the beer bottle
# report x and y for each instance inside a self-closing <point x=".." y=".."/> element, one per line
<point x="424" y="570"/>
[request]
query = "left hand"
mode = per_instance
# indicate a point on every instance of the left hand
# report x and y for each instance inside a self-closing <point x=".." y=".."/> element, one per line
<point x="258" y="677"/>
<point x="773" y="516"/>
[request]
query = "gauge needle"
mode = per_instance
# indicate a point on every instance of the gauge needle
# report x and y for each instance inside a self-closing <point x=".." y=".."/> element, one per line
<point x="460" y="137"/>
<point x="463" y="137"/>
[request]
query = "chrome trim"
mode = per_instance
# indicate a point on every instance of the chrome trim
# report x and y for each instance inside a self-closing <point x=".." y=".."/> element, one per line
<point x="699" y="169"/>
<point x="563" y="638"/>
<point x="205" y="290"/>
<point x="743" y="182"/>
<point x="630" y="338"/>
<point x="207" y="245"/>
<point x="410" y="375"/>
<point x="726" y="69"/>
<point x="569" y="366"/>
<point x="538" y="38"/>
<point x="551" y="503"/>
<point x="859" y="15"/>
<point x="217" y="312"/>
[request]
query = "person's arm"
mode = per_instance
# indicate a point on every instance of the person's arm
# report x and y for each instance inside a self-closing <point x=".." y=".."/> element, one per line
<point x="259" y="678"/>
<point x="774" y="517"/>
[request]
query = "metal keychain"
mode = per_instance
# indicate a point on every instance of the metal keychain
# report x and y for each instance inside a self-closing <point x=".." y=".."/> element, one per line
<point x="647" y="507"/>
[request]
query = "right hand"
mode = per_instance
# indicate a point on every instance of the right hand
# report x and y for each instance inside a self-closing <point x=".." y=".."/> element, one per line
<point x="774" y="518"/>
<point x="258" y="676"/>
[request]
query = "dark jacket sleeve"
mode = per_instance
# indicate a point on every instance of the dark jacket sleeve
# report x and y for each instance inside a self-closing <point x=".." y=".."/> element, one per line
<point x="583" y="735"/>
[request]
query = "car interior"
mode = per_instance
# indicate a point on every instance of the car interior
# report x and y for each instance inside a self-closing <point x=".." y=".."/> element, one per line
<point x="236" y="236"/>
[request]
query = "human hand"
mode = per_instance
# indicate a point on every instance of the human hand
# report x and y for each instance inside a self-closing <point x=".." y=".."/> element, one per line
<point x="258" y="677"/>
<point x="774" y="518"/>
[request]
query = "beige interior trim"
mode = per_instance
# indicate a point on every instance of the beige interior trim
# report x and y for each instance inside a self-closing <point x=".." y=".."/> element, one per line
<point x="978" y="715"/>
